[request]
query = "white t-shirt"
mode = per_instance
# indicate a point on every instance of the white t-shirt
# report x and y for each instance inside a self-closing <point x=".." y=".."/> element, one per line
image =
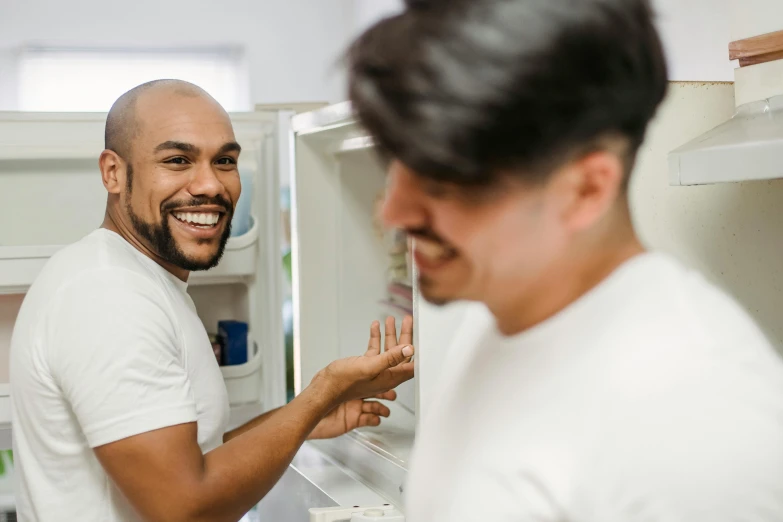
<point x="107" y="345"/>
<point x="653" y="398"/>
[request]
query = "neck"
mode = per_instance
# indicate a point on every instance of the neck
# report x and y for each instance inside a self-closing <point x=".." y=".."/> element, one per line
<point x="112" y="221"/>
<point x="591" y="260"/>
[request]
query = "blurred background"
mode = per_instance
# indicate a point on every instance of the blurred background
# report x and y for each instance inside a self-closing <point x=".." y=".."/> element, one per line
<point x="80" y="55"/>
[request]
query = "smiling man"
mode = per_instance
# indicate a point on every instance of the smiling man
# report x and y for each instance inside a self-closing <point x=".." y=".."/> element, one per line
<point x="596" y="381"/>
<point x="120" y="410"/>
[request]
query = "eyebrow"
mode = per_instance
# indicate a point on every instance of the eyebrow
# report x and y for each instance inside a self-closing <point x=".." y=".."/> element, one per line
<point x="231" y="146"/>
<point x="177" y="145"/>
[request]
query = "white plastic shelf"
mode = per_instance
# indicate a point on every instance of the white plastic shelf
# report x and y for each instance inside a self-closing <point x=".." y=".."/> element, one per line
<point x="244" y="382"/>
<point x="20" y="265"/>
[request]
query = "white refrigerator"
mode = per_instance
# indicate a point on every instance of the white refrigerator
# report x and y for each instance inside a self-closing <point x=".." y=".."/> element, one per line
<point x="312" y="183"/>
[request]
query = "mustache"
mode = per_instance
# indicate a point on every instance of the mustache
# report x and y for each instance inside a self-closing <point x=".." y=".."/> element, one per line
<point x="198" y="201"/>
<point x="427" y="234"/>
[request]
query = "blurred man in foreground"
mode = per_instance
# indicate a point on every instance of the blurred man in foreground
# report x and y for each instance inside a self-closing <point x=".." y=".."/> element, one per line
<point x="596" y="381"/>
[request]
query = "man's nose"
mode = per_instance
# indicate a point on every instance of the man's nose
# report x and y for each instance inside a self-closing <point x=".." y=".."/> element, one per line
<point x="205" y="182"/>
<point x="403" y="206"/>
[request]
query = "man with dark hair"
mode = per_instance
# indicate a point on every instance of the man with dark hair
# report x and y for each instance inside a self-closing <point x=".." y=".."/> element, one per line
<point x="594" y="381"/>
<point x="120" y="409"/>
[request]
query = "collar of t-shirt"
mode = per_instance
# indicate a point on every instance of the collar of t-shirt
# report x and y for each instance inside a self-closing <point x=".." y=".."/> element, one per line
<point x="598" y="302"/>
<point x="181" y="285"/>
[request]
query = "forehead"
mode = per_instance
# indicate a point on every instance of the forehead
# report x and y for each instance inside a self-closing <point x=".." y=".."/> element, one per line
<point x="189" y="119"/>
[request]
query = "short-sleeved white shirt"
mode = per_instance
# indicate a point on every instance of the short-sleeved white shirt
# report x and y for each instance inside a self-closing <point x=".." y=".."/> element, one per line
<point x="653" y="398"/>
<point x="107" y="345"/>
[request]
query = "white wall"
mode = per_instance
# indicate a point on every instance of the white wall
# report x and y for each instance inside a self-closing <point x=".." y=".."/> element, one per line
<point x="695" y="33"/>
<point x="292" y="45"/>
<point x="755" y="17"/>
<point x="696" y="36"/>
<point x="367" y="12"/>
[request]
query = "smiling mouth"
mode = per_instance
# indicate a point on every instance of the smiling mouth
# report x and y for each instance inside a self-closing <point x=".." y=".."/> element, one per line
<point x="204" y="220"/>
<point x="430" y="255"/>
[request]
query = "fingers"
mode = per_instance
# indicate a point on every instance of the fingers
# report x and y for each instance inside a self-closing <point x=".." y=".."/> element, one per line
<point x="406" y="330"/>
<point x="390" y="395"/>
<point x="400" y="374"/>
<point x="374" y="346"/>
<point x="392" y="357"/>
<point x="391" y="334"/>
<point x="368" y="419"/>
<point x="375" y="408"/>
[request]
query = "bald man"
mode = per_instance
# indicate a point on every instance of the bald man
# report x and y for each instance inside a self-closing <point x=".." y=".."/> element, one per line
<point x="120" y="410"/>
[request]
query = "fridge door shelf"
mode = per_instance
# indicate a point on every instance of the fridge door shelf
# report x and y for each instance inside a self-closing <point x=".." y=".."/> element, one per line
<point x="20" y="265"/>
<point x="244" y="382"/>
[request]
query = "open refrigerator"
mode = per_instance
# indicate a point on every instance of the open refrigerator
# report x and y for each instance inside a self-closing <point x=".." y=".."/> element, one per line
<point x="314" y="268"/>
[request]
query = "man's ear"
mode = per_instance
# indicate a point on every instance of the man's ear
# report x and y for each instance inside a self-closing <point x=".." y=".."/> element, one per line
<point x="113" y="171"/>
<point x="590" y="186"/>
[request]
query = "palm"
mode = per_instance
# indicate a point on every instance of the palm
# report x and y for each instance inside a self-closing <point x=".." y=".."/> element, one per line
<point x="360" y="413"/>
<point x="346" y="417"/>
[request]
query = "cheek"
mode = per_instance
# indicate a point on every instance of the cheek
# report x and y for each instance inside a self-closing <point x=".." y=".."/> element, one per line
<point x="526" y="248"/>
<point x="511" y="241"/>
<point x="233" y="186"/>
<point x="149" y="192"/>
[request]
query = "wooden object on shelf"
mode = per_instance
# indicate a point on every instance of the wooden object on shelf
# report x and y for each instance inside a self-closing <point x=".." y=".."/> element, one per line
<point x="758" y="49"/>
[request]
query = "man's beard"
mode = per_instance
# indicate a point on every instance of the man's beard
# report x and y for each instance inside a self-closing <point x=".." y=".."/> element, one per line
<point x="425" y="290"/>
<point x="165" y="246"/>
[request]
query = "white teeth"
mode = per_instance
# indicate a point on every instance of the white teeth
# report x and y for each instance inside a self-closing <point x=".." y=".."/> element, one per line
<point x="201" y="218"/>
<point x="431" y="250"/>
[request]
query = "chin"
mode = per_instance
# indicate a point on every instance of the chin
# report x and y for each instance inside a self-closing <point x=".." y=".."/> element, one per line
<point x="200" y="264"/>
<point x="436" y="296"/>
<point x="196" y="262"/>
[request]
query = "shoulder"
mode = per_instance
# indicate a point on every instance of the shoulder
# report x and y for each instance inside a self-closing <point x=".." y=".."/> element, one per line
<point x="690" y="415"/>
<point x="664" y="310"/>
<point x="100" y="265"/>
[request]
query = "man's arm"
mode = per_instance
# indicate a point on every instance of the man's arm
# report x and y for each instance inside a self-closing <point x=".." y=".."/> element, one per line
<point x="346" y="417"/>
<point x="232" y="434"/>
<point x="352" y="414"/>
<point x="165" y="476"/>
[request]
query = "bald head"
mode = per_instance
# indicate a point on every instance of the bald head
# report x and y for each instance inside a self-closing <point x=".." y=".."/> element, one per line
<point x="171" y="154"/>
<point x="122" y="123"/>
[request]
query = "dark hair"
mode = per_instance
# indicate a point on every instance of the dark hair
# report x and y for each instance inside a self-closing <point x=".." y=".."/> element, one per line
<point x="464" y="90"/>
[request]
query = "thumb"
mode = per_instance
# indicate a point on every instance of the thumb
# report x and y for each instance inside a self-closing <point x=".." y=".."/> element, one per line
<point x="394" y="357"/>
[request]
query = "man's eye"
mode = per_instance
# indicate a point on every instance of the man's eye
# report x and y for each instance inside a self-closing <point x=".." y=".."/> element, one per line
<point x="226" y="161"/>
<point x="179" y="160"/>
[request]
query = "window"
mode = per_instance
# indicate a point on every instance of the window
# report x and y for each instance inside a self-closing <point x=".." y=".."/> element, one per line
<point x="91" y="80"/>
